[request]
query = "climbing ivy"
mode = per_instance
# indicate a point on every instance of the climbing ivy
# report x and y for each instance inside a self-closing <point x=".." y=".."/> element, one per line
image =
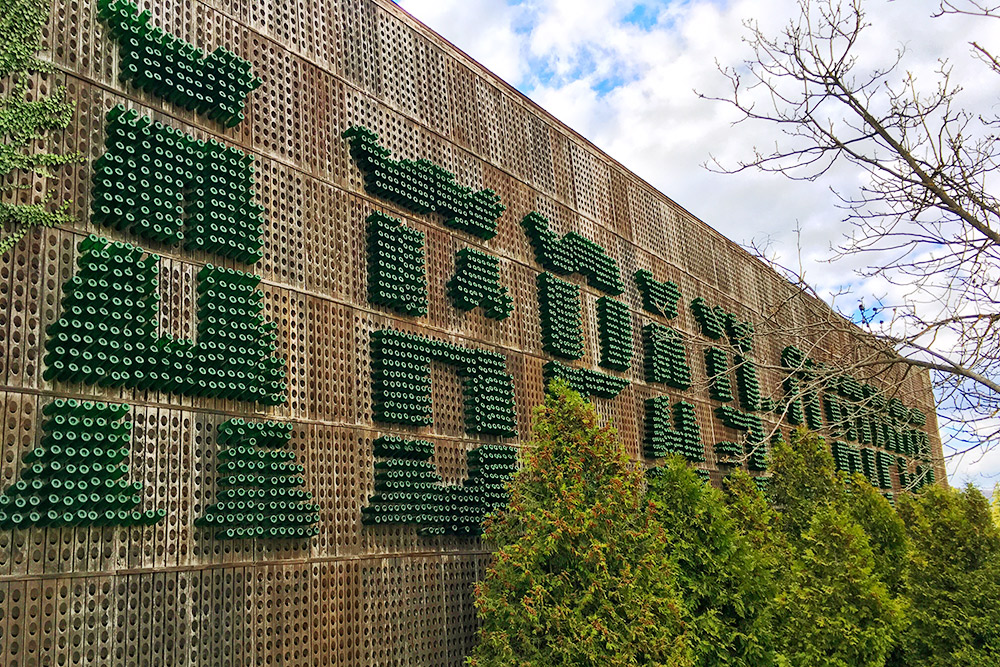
<point x="27" y="124"/>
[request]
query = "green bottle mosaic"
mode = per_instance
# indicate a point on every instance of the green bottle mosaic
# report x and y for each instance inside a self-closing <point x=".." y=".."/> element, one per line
<point x="659" y="298"/>
<point x="106" y="332"/>
<point x="665" y="359"/>
<point x="717" y="369"/>
<point x="397" y="276"/>
<point x="614" y="327"/>
<point x="409" y="490"/>
<point x="572" y="253"/>
<point x="215" y="84"/>
<point x="584" y="380"/>
<point x="423" y="187"/>
<point x="755" y="447"/>
<point x="401" y="382"/>
<point x="672" y="430"/>
<point x="260" y="489"/>
<point x="476" y="283"/>
<point x="560" y="312"/>
<point x="77" y="475"/>
<point x="166" y="186"/>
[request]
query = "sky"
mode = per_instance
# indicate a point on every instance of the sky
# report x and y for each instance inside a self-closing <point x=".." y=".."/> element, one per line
<point x="627" y="76"/>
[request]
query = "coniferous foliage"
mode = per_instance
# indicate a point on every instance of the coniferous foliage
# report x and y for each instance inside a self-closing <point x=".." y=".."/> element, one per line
<point x="834" y="608"/>
<point x="581" y="574"/>
<point x="953" y="580"/>
<point x="727" y="587"/>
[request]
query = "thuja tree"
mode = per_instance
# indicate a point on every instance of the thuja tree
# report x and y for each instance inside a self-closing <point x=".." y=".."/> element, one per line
<point x="953" y="580"/>
<point x="835" y="606"/>
<point x="27" y="125"/>
<point x="725" y="577"/>
<point x="581" y="574"/>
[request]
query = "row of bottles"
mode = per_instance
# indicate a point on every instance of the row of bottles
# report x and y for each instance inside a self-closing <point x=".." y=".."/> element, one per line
<point x="401" y="387"/>
<point x="560" y="315"/>
<point x="755" y="445"/>
<point x="423" y="187"/>
<point x="711" y="319"/>
<point x="476" y="282"/>
<point x="717" y="369"/>
<point x="664" y="359"/>
<point x="614" y="328"/>
<point x="261" y="490"/>
<point x="166" y="186"/>
<point x="106" y="333"/>
<point x="408" y="489"/>
<point x="672" y="430"/>
<point x="215" y="85"/>
<point x="396" y="266"/>
<point x="659" y="298"/>
<point x="572" y="253"/>
<point x="77" y="475"/>
<point x="584" y="380"/>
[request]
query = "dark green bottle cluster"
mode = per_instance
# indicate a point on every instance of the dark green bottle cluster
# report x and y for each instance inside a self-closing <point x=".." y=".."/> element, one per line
<point x="660" y="298"/>
<point x="222" y="217"/>
<point x="572" y="253"/>
<point x="672" y="430"/>
<point x="260" y="487"/>
<point x="560" y="312"/>
<point x="868" y="466"/>
<point x="401" y="382"/>
<point x="717" y="369"/>
<point x="847" y="457"/>
<point x="665" y="359"/>
<point x="482" y="492"/>
<point x="234" y="357"/>
<point x="747" y="384"/>
<point x="489" y="392"/>
<point x="763" y="484"/>
<point x="712" y="320"/>
<point x="740" y="333"/>
<point x="726" y="449"/>
<point x="793" y="360"/>
<point x="584" y="380"/>
<point x="903" y="471"/>
<point x="614" y="326"/>
<point x="401" y="378"/>
<point x="856" y="412"/>
<point x="106" y="333"/>
<point x="883" y="466"/>
<point x="77" y="475"/>
<point x="396" y="267"/>
<point x="423" y="187"/>
<point x="166" y="186"/>
<point x="756" y="445"/>
<point x="812" y="409"/>
<point x="140" y="182"/>
<point x="161" y="64"/>
<point x="408" y="489"/>
<point x="477" y="283"/>
<point x="923" y="475"/>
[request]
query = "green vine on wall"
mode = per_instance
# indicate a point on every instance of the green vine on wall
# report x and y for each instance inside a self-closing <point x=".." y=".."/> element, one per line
<point x="26" y="126"/>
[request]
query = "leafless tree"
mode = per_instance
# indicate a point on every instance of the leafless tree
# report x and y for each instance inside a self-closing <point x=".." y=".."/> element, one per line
<point x="925" y="216"/>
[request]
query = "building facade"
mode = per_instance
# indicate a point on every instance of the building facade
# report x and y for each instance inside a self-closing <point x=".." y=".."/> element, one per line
<point x="258" y="397"/>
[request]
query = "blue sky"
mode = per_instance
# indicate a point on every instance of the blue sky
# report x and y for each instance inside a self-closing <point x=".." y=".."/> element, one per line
<point x="625" y="75"/>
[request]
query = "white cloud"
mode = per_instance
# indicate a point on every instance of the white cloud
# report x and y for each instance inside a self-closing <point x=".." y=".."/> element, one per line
<point x="630" y="91"/>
